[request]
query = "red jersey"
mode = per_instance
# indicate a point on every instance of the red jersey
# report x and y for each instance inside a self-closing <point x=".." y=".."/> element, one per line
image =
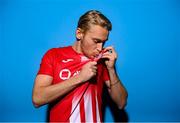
<point x="83" y="104"/>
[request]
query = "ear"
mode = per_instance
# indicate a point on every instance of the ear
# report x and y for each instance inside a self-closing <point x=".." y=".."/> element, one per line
<point x="79" y="34"/>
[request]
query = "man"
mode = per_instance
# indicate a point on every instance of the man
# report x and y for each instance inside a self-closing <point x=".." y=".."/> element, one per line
<point x="71" y="78"/>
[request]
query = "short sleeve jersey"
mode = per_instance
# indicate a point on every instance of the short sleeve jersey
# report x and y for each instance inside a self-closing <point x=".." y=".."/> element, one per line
<point x="82" y="104"/>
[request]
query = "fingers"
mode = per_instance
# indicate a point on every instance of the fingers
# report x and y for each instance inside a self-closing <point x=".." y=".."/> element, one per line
<point x="94" y="70"/>
<point x="88" y="71"/>
<point x="94" y="67"/>
<point x="93" y="63"/>
<point x="109" y="53"/>
<point x="109" y="49"/>
<point x="91" y="66"/>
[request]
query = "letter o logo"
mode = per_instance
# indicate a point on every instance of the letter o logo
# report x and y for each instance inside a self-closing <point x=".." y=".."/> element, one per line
<point x="65" y="74"/>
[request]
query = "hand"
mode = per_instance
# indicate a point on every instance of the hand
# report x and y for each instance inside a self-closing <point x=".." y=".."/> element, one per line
<point x="110" y="56"/>
<point x="88" y="71"/>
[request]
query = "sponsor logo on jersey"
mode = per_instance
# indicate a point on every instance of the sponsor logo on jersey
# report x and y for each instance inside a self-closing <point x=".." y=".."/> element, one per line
<point x="67" y="60"/>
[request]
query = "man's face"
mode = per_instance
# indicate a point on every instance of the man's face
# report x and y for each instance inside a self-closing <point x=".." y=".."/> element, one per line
<point x="92" y="40"/>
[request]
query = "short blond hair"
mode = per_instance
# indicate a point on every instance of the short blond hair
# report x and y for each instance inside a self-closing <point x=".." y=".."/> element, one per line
<point x="93" y="17"/>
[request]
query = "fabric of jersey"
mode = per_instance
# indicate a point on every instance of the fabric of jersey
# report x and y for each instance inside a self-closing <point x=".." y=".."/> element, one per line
<point x="82" y="104"/>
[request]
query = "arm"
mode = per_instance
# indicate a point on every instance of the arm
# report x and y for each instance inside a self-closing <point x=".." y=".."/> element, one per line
<point x="116" y="90"/>
<point x="115" y="87"/>
<point x="45" y="92"/>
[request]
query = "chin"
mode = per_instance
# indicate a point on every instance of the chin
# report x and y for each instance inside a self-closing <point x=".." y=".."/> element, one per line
<point x="90" y="57"/>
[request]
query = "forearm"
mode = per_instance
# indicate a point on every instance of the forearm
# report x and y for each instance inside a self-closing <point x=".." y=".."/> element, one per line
<point x="116" y="89"/>
<point x="47" y="94"/>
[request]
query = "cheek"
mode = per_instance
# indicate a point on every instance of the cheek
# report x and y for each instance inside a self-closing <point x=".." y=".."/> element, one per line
<point x="89" y="45"/>
<point x="89" y="48"/>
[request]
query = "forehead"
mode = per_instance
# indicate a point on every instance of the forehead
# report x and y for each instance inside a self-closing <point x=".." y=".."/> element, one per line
<point x="97" y="31"/>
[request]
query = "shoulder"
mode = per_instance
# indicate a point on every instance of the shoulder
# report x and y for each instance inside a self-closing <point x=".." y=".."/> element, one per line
<point x="51" y="51"/>
<point x="54" y="51"/>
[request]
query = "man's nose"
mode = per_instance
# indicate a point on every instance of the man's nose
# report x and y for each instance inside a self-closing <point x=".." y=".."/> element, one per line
<point x="99" y="47"/>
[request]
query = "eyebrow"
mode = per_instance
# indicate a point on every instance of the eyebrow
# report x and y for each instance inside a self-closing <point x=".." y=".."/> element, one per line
<point x="99" y="40"/>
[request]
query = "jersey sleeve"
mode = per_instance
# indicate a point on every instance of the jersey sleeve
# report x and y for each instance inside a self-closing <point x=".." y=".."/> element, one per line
<point x="105" y="74"/>
<point x="46" y="66"/>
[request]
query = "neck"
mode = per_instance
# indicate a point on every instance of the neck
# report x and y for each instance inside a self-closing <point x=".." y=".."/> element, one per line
<point x="77" y="46"/>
